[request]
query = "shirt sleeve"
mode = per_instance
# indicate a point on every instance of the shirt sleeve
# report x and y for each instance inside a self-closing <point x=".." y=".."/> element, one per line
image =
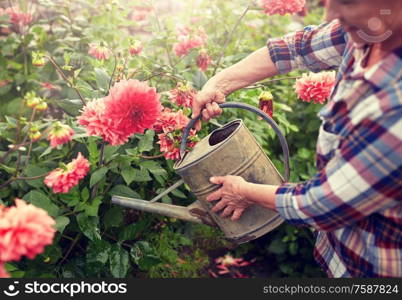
<point x="315" y="48"/>
<point x="363" y="177"/>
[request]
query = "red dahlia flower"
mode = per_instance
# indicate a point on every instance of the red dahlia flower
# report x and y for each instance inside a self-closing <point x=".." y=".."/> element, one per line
<point x="132" y="106"/>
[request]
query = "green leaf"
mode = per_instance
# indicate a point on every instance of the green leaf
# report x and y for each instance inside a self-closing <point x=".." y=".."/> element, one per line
<point x="61" y="223"/>
<point x="91" y="209"/>
<point x="98" y="253"/>
<point x="32" y="171"/>
<point x="146" y="141"/>
<point x="119" y="261"/>
<point x="93" y="151"/>
<point x="129" y="174"/>
<point x="113" y="217"/>
<point x="179" y="194"/>
<point x="144" y="256"/>
<point x="70" y="106"/>
<point x="128" y="233"/>
<point x="277" y="247"/>
<point x="124" y="191"/>
<point x="303" y="153"/>
<point x="89" y="226"/>
<point x="97" y="176"/>
<point x="153" y="166"/>
<point x="109" y="152"/>
<point x="102" y="79"/>
<point x="9" y="170"/>
<point x="46" y="152"/>
<point x="142" y="175"/>
<point x="40" y="200"/>
<point x="293" y="247"/>
<point x="282" y="106"/>
<point x="85" y="194"/>
<point x="199" y="79"/>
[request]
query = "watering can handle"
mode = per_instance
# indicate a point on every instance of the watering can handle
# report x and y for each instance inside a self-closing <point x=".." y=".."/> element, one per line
<point x="259" y="112"/>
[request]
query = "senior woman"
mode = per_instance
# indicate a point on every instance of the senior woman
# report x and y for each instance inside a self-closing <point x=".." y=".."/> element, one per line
<point x="355" y="199"/>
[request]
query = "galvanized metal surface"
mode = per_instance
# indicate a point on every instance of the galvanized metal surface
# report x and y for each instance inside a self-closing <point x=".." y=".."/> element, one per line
<point x="231" y="150"/>
<point x="193" y="213"/>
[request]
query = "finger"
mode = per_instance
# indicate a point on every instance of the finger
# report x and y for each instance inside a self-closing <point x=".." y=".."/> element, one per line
<point x="237" y="214"/>
<point x="220" y="205"/>
<point x="217" y="179"/>
<point x="214" y="196"/>
<point x="227" y="211"/>
<point x="197" y="125"/>
<point x="210" y="109"/>
<point x="196" y="108"/>
<point x="216" y="109"/>
<point x="205" y="115"/>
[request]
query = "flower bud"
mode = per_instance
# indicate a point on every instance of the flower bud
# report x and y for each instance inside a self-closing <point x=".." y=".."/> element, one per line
<point x="42" y="106"/>
<point x="266" y="103"/>
<point x="34" y="136"/>
<point x="135" y="48"/>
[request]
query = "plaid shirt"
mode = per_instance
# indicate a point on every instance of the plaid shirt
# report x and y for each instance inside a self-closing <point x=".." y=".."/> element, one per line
<point x="354" y="201"/>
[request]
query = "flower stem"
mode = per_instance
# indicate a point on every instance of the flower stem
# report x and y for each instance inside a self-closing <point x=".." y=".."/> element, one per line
<point x="114" y="70"/>
<point x="151" y="157"/>
<point x="58" y="69"/>
<point x="229" y="37"/>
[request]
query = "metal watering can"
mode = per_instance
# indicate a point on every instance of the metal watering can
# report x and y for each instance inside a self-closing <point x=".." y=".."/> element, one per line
<point x="228" y="150"/>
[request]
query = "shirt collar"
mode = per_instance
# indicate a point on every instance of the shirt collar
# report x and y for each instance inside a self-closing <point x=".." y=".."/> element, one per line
<point x="385" y="72"/>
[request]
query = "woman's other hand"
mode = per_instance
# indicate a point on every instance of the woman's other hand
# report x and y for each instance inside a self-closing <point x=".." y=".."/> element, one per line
<point x="230" y="196"/>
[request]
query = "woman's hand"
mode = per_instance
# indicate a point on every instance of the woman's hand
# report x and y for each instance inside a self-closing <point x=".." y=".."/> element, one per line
<point x="230" y="196"/>
<point x="206" y="102"/>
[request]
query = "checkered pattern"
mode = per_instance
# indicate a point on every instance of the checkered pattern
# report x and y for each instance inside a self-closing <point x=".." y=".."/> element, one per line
<point x="355" y="198"/>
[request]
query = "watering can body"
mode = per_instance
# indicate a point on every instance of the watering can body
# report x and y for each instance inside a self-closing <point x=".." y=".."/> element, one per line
<point x="229" y="150"/>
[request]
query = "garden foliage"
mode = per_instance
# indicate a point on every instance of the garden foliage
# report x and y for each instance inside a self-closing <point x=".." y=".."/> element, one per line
<point x="58" y="56"/>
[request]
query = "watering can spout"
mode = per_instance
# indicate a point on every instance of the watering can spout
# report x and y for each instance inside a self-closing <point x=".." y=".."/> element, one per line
<point x="192" y="213"/>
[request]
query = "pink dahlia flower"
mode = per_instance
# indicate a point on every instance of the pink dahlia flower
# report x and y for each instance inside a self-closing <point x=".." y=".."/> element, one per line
<point x="282" y="7"/>
<point x="133" y="106"/>
<point x="93" y="119"/>
<point x="315" y="87"/>
<point x="61" y="180"/>
<point x="140" y="13"/>
<point x="189" y="39"/>
<point x="170" y="121"/>
<point x="60" y="134"/>
<point x="3" y="272"/>
<point x="18" y="19"/>
<point x="170" y="143"/>
<point x="24" y="231"/>
<point x="203" y="60"/>
<point x="183" y="95"/>
<point x="99" y="51"/>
